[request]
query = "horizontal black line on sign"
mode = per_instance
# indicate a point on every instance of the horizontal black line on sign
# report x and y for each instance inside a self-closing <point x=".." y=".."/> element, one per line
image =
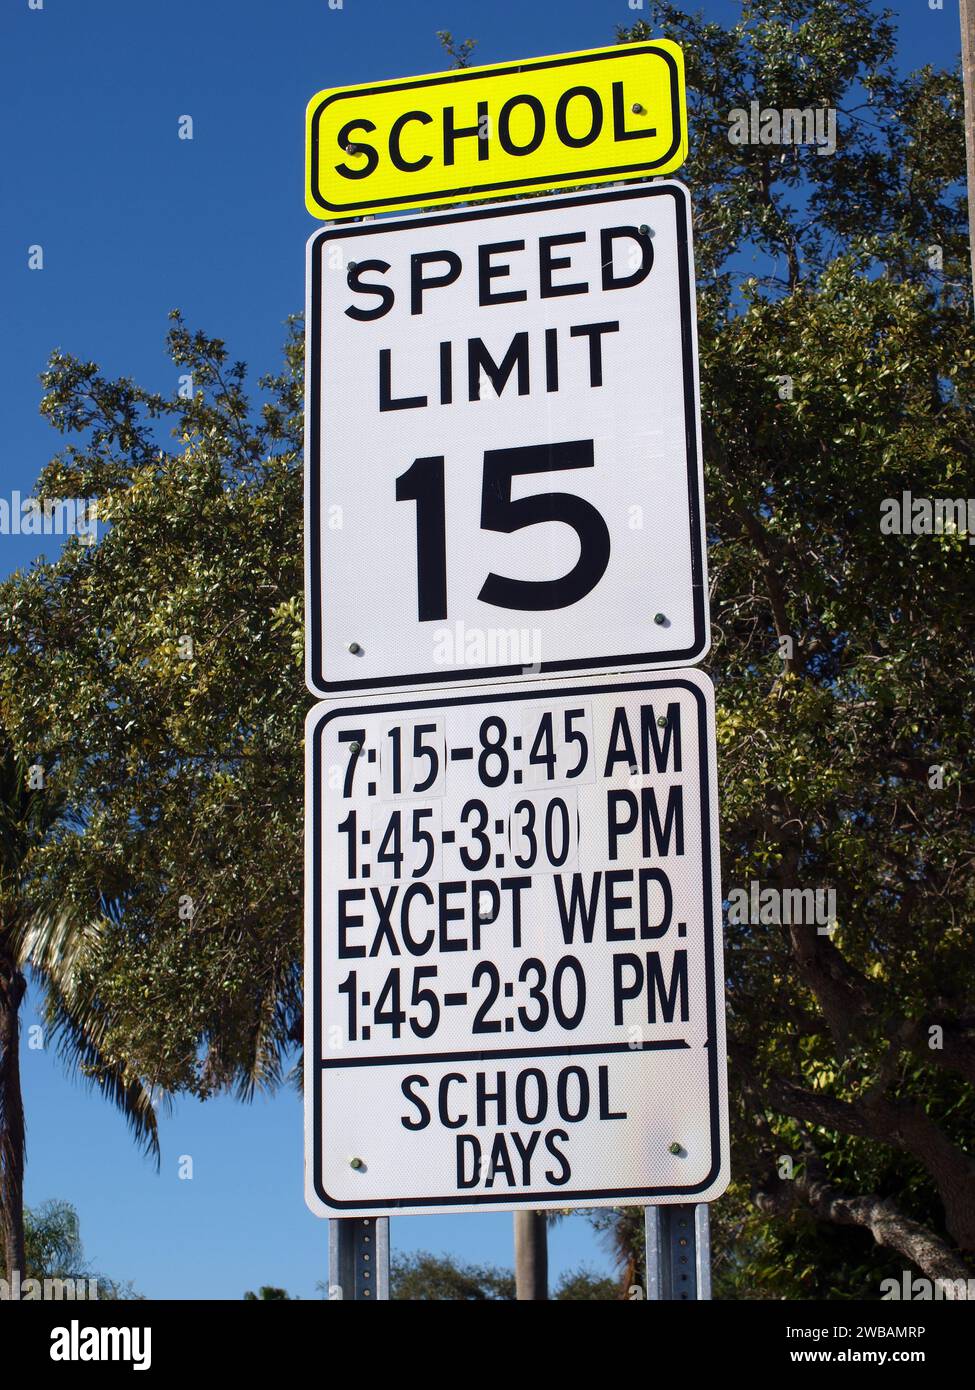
<point x="418" y="1058"/>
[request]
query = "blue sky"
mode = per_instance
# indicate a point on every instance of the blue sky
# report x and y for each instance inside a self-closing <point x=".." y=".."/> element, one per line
<point x="134" y="222"/>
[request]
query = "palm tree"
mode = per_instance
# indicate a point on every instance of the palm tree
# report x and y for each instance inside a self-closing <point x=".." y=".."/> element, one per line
<point x="531" y="1254"/>
<point x="52" y="1238"/>
<point x="50" y="946"/>
<point x="54" y="1250"/>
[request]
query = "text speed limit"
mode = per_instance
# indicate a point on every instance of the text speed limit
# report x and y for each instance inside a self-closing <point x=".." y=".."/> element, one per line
<point x="502" y="434"/>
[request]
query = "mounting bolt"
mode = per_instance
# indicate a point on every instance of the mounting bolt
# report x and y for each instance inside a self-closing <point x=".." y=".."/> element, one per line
<point x="355" y="1162"/>
<point x="659" y="619"/>
<point x="645" y="230"/>
<point x="674" y="1148"/>
<point x="354" y="648"/>
<point x="638" y="110"/>
<point x="661" y="722"/>
<point x="355" y="747"/>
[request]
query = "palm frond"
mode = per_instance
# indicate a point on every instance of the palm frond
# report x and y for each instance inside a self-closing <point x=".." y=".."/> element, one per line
<point x="55" y="946"/>
<point x="54" y="942"/>
<point x="78" y="1027"/>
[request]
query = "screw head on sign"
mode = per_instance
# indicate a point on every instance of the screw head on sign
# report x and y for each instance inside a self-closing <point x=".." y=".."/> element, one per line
<point x="355" y="1162"/>
<point x="645" y="230"/>
<point x="661" y="722"/>
<point x="354" y="648"/>
<point x="674" y="1148"/>
<point x="660" y="619"/>
<point x="355" y="747"/>
<point x="638" y="110"/>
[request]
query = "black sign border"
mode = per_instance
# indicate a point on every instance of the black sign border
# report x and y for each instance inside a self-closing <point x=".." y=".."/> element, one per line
<point x="461" y="75"/>
<point x="709" y="859"/>
<point x="685" y="656"/>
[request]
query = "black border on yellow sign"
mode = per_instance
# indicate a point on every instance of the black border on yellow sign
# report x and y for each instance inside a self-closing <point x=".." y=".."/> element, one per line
<point x="663" y="680"/>
<point x="548" y="181"/>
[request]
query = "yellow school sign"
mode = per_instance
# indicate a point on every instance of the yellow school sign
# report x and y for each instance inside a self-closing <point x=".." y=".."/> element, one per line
<point x="475" y="133"/>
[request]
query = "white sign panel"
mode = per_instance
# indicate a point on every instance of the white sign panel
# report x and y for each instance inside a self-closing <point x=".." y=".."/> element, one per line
<point x="514" y="976"/>
<point x="503" y="445"/>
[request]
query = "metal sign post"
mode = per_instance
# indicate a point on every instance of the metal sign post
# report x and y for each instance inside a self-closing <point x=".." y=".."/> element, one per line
<point x="678" y="1253"/>
<point x="358" y="1259"/>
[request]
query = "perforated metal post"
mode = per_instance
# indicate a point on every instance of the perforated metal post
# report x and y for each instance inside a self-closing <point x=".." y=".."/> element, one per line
<point x="678" y="1252"/>
<point x="358" y="1259"/>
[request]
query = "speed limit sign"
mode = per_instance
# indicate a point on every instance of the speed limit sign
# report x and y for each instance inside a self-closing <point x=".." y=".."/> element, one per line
<point x="503" y="444"/>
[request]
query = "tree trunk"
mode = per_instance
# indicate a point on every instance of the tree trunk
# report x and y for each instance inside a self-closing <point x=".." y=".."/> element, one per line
<point x="531" y="1255"/>
<point x="12" y="987"/>
<point x="968" y="80"/>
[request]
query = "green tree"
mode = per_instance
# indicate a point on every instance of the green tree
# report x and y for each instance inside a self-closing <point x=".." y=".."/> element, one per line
<point x="52" y="1240"/>
<point x="267" y="1293"/>
<point x="48" y="937"/>
<point x="836" y="373"/>
<point x="458" y="53"/>
<point x="623" y="1235"/>
<point x="178" y="642"/>
<point x="53" y="1249"/>
<point x="582" y="1285"/>
<point x="439" y="1278"/>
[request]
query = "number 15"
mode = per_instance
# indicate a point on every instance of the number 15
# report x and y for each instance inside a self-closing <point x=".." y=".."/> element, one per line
<point x="423" y="483"/>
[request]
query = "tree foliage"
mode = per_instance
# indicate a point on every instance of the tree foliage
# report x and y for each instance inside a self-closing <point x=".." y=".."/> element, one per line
<point x="55" y="1250"/>
<point x="439" y="1278"/>
<point x="837" y="374"/>
<point x="156" y="677"/>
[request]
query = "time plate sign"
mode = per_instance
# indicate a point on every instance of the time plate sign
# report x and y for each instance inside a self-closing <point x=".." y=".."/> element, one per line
<point x="513" y="948"/>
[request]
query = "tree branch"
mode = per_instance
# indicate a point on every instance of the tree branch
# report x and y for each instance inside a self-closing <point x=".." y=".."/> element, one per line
<point x="889" y="1226"/>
